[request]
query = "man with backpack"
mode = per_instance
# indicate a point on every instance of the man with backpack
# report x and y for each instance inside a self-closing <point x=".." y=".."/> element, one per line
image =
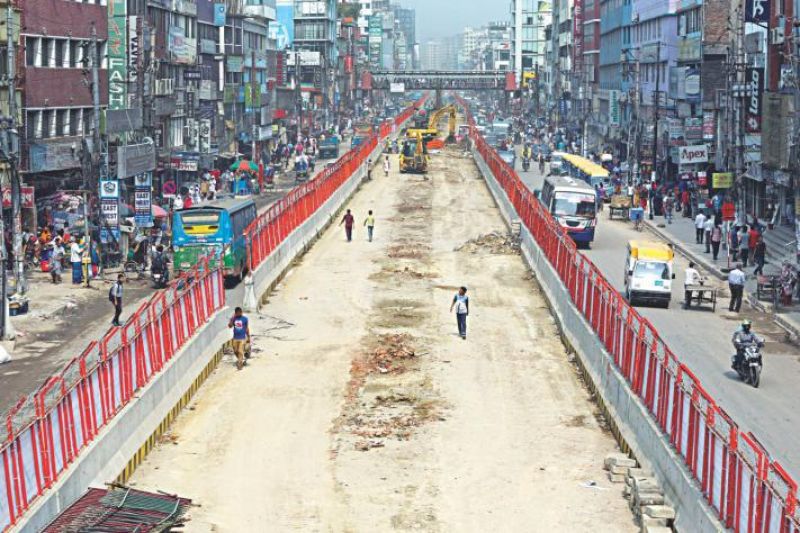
<point x="115" y="297"/>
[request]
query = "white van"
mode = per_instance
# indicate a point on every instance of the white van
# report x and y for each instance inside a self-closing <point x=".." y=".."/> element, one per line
<point x="648" y="272"/>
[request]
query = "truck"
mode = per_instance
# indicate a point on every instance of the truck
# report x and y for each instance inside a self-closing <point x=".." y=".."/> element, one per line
<point x="649" y="272"/>
<point x="329" y="148"/>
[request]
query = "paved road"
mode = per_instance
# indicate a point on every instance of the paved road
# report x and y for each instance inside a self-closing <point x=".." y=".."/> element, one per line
<point x="701" y="339"/>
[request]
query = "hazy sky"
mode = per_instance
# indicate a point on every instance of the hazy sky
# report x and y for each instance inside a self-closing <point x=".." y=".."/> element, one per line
<point x="440" y="18"/>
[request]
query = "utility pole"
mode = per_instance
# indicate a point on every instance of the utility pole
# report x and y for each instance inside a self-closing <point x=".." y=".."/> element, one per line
<point x="98" y="166"/>
<point x="656" y="103"/>
<point x="739" y="125"/>
<point x="12" y="157"/>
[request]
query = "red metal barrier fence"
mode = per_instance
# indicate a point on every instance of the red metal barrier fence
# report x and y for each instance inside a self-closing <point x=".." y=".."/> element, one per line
<point x="47" y="430"/>
<point x="749" y="492"/>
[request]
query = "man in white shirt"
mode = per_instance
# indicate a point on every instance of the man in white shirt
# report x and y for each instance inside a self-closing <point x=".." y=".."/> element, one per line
<point x="708" y="227"/>
<point x="699" y="226"/>
<point x="690" y="277"/>
<point x="736" y="279"/>
<point x="75" y="252"/>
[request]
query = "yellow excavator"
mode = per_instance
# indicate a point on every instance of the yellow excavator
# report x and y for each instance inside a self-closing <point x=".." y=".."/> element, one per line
<point x="433" y="130"/>
<point x="414" y="154"/>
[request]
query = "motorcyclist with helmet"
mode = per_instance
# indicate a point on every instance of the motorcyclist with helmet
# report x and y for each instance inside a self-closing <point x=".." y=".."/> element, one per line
<point x="160" y="263"/>
<point x="742" y="338"/>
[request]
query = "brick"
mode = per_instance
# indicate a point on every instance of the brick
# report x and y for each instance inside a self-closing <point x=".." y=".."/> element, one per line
<point x="618" y="459"/>
<point x="648" y="522"/>
<point x="659" y="511"/>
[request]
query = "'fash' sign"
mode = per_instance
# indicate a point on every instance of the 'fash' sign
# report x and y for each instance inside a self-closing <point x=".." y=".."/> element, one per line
<point x="755" y="88"/>
<point x="689" y="155"/>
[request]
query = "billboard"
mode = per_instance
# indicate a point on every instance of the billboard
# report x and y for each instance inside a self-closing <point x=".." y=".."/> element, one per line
<point x="182" y="49"/>
<point x="577" y="35"/>
<point x="282" y="29"/>
<point x="757" y="11"/>
<point x="690" y="155"/>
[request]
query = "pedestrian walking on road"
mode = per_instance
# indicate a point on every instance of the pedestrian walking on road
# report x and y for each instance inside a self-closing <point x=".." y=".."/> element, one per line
<point x="386" y="166"/>
<point x="75" y="252"/>
<point x="369" y="222"/>
<point x="669" y="207"/>
<point x="744" y="244"/>
<point x="759" y="256"/>
<point x="115" y="297"/>
<point x="699" y="226"/>
<point x="56" y="261"/>
<point x="716" y="240"/>
<point x="348" y="220"/>
<point x="241" y="336"/>
<point x="461" y="305"/>
<point x="736" y="279"/>
<point x="690" y="277"/>
<point x="708" y="226"/>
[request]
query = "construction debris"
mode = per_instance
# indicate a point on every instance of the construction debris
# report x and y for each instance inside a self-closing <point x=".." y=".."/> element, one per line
<point x="495" y="243"/>
<point x="646" y="499"/>
<point x="122" y="509"/>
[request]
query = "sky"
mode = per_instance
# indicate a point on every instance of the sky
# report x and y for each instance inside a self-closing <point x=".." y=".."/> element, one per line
<point x="440" y="18"/>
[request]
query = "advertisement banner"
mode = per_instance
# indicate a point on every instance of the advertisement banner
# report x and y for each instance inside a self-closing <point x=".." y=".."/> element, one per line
<point x="26" y="193"/>
<point x="109" y="210"/>
<point x="134" y="50"/>
<point x="220" y="12"/>
<point x="117" y="54"/>
<point x="182" y="49"/>
<point x="693" y="129"/>
<point x="577" y="35"/>
<point x="397" y="87"/>
<point x="613" y="108"/>
<point x="722" y="180"/>
<point x="690" y="155"/>
<point x="709" y="126"/>
<point x="754" y="80"/>
<point x="143" y="201"/>
<point x="133" y="159"/>
<point x="757" y="11"/>
<point x="282" y="30"/>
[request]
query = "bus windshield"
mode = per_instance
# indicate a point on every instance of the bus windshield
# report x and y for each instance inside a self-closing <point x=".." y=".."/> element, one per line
<point x="575" y="204"/>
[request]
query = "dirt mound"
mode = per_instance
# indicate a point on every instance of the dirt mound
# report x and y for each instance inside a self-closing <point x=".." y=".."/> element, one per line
<point x="494" y="243"/>
<point x="409" y="251"/>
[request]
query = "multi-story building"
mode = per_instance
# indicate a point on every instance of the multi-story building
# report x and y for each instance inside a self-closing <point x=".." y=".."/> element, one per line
<point x="315" y="40"/>
<point x="562" y="78"/>
<point x="529" y="21"/>
<point x="407" y="25"/>
<point x="57" y="111"/>
<point x="617" y="72"/>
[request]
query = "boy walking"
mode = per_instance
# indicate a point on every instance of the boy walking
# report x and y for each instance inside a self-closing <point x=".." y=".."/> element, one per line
<point x="241" y="335"/>
<point x="369" y="222"/>
<point x="461" y="305"/>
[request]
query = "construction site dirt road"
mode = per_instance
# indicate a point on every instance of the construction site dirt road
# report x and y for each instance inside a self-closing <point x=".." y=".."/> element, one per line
<point x="363" y="410"/>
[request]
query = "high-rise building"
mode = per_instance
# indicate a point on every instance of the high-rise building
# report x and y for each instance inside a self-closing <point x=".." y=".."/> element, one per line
<point x="407" y="24"/>
<point x="529" y="22"/>
<point x="315" y="40"/>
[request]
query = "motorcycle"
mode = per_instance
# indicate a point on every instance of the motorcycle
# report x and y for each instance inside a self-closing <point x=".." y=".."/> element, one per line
<point x="159" y="279"/>
<point x="526" y="164"/>
<point x="749" y="369"/>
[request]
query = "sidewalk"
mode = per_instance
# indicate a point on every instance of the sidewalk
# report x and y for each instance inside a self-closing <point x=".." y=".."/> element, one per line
<point x="681" y="233"/>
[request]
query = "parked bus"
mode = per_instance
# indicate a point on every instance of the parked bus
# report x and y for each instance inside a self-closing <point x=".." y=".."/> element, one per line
<point x="572" y="203"/>
<point x="207" y="229"/>
<point x="583" y="169"/>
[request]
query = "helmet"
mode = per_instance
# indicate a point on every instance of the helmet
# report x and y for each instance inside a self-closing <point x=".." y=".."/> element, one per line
<point x="746" y="324"/>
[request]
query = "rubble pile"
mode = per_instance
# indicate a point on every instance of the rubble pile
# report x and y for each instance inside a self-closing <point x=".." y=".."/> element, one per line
<point x="408" y="251"/>
<point x="645" y="497"/>
<point x="391" y="355"/>
<point x="495" y="243"/>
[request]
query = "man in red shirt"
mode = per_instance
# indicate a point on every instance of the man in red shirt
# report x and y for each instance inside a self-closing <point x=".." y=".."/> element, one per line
<point x="348" y="221"/>
<point x="753" y="242"/>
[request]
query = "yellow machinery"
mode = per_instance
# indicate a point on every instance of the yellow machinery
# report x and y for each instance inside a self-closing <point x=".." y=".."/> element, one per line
<point x="413" y="154"/>
<point x="432" y="130"/>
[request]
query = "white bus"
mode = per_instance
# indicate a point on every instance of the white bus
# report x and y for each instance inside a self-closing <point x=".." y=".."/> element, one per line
<point x="571" y="202"/>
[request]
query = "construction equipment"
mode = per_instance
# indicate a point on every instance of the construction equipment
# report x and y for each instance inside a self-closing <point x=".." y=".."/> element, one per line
<point x="432" y="130"/>
<point x="414" y="154"/>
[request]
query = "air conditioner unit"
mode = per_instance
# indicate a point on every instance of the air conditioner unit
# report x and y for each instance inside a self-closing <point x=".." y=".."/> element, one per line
<point x="776" y="35"/>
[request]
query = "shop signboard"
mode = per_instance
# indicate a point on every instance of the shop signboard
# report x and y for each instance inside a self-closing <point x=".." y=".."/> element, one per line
<point x="693" y="129"/>
<point x="709" y="126"/>
<point x="109" y="210"/>
<point x="613" y="108"/>
<point x="757" y="11"/>
<point x="133" y="159"/>
<point x="27" y="197"/>
<point x="117" y="54"/>
<point x="754" y="80"/>
<point x="143" y="199"/>
<point x="690" y="155"/>
<point x="220" y="12"/>
<point x="722" y="180"/>
<point x="182" y="49"/>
